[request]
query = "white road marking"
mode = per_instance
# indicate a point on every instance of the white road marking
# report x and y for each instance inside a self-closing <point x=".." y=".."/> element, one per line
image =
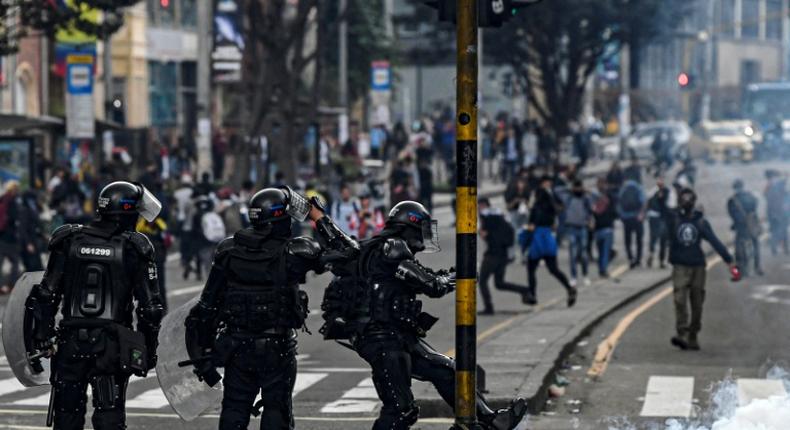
<point x="186" y="290"/>
<point x="10" y="385"/>
<point x="360" y="399"/>
<point x="42" y="400"/>
<point x="306" y="380"/>
<point x="151" y="399"/>
<point x="668" y="396"/>
<point x="753" y="389"/>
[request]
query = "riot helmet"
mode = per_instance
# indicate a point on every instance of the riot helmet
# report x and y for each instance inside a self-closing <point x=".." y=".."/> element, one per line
<point x="125" y="201"/>
<point x="415" y="225"/>
<point x="277" y="204"/>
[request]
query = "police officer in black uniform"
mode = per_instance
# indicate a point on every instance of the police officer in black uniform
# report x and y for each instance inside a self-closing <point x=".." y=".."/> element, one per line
<point x="95" y="273"/>
<point x="373" y="303"/>
<point x="251" y="306"/>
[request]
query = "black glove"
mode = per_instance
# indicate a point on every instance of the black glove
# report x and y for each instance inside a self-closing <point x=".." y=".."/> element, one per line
<point x="207" y="373"/>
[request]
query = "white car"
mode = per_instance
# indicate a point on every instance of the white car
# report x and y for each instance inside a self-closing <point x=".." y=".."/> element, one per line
<point x="643" y="136"/>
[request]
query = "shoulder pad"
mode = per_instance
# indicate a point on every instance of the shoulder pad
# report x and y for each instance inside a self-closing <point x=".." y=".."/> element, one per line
<point x="62" y="233"/>
<point x="142" y="243"/>
<point x="304" y="247"/>
<point x="397" y="249"/>
<point x="226" y="245"/>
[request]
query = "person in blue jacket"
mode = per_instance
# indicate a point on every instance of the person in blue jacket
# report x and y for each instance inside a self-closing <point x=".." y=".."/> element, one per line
<point x="542" y="244"/>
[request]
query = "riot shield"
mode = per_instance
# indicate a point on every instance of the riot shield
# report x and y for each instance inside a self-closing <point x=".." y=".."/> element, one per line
<point x="14" y="333"/>
<point x="188" y="396"/>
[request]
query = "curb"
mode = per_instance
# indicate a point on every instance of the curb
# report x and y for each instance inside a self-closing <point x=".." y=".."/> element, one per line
<point x="536" y="385"/>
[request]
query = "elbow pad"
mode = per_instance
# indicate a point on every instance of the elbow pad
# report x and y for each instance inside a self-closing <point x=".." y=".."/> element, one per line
<point x="426" y="282"/>
<point x="335" y="238"/>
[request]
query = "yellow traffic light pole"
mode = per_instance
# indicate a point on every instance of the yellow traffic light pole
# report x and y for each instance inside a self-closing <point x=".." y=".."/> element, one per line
<point x="466" y="216"/>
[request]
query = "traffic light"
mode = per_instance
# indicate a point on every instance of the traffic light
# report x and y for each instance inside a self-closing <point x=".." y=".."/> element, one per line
<point x="491" y="13"/>
<point x="685" y="81"/>
<point x="446" y="8"/>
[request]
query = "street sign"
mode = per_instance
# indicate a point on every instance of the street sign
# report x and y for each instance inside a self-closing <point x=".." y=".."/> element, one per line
<point x="380" y="76"/>
<point x="80" y="115"/>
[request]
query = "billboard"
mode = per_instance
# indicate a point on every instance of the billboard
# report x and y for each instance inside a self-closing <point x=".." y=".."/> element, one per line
<point x="16" y="160"/>
<point x="228" y="49"/>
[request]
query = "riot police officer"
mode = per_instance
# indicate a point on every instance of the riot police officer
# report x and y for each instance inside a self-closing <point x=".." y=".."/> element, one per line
<point x="94" y="274"/>
<point x="373" y="303"/>
<point x="251" y="307"/>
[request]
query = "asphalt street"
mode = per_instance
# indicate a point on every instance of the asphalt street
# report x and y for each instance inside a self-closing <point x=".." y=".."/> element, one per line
<point x="334" y="390"/>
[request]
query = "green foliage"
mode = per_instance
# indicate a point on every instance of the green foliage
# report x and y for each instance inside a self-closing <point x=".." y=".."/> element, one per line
<point x="367" y="42"/>
<point x="22" y="17"/>
<point x="555" y="46"/>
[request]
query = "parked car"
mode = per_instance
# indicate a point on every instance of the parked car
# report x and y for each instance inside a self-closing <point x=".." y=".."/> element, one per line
<point x="730" y="140"/>
<point x="639" y="143"/>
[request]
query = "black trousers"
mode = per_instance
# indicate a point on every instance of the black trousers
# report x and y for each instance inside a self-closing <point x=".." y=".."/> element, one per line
<point x="496" y="265"/>
<point x="395" y="358"/>
<point x="551" y="264"/>
<point x="73" y="372"/>
<point x="266" y="366"/>
<point x="634" y="229"/>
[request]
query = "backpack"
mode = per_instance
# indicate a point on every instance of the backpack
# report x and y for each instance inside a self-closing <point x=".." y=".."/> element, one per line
<point x="213" y="227"/>
<point x="5" y="203"/>
<point x="630" y="200"/>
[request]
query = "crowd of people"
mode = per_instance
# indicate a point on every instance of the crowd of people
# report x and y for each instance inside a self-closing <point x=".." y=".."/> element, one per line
<point x="547" y="209"/>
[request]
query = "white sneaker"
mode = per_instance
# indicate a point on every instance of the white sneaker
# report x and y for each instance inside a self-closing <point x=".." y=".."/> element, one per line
<point x="587" y="282"/>
<point x="573" y="282"/>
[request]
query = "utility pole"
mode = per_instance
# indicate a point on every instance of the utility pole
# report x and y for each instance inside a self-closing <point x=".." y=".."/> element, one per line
<point x="466" y="216"/>
<point x="205" y="9"/>
<point x="707" y="38"/>
<point x="107" y="73"/>
<point x="343" y="72"/>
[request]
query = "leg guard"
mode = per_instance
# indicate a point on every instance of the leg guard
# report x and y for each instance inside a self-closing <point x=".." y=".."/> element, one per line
<point x="109" y="398"/>
<point x="241" y="388"/>
<point x="391" y="369"/>
<point x="70" y="401"/>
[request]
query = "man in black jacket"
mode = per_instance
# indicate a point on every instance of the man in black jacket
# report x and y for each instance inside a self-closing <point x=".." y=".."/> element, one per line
<point x="687" y="228"/>
<point x="499" y="237"/>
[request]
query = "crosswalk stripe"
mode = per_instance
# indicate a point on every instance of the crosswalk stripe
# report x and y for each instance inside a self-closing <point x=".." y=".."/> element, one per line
<point x="42" y="400"/>
<point x="151" y="399"/>
<point x="10" y="385"/>
<point x="753" y="389"/>
<point x="360" y="399"/>
<point x="668" y="396"/>
<point x="306" y="380"/>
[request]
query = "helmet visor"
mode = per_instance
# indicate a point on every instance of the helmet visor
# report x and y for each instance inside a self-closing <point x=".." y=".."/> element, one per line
<point x="298" y="206"/>
<point x="430" y="236"/>
<point x="149" y="206"/>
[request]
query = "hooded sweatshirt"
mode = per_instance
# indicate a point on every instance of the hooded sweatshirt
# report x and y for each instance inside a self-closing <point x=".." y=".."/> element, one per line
<point x="686" y="233"/>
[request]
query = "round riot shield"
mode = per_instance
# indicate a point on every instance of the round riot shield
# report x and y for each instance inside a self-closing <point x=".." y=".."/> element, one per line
<point x="14" y="333"/>
<point x="188" y="396"/>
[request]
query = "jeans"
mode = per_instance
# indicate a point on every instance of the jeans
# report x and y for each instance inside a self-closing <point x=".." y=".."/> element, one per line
<point x="604" y="238"/>
<point x="634" y="228"/>
<point x="658" y="236"/>
<point x="747" y="250"/>
<point x="577" y="241"/>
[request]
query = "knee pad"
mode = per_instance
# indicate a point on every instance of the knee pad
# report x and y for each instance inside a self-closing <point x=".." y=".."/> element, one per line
<point x="408" y="418"/>
<point x="107" y="392"/>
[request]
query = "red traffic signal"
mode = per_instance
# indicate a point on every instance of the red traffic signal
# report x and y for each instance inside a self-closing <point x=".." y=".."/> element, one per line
<point x="684" y="80"/>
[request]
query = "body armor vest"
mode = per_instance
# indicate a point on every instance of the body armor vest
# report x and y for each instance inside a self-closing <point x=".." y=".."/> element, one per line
<point x="259" y="295"/>
<point x="392" y="302"/>
<point x="97" y="285"/>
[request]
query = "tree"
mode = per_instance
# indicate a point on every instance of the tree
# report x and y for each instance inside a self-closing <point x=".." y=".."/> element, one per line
<point x="21" y="17"/>
<point x="290" y="47"/>
<point x="555" y="46"/>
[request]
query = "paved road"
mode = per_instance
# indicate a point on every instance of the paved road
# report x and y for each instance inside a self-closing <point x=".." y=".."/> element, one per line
<point x="745" y="348"/>
<point x="333" y="388"/>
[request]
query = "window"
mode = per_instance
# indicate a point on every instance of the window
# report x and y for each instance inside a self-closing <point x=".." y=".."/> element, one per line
<point x="189" y="13"/>
<point x="163" y="89"/>
<point x="773" y="19"/>
<point x="726" y="16"/>
<point x="750" y="72"/>
<point x="750" y="18"/>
